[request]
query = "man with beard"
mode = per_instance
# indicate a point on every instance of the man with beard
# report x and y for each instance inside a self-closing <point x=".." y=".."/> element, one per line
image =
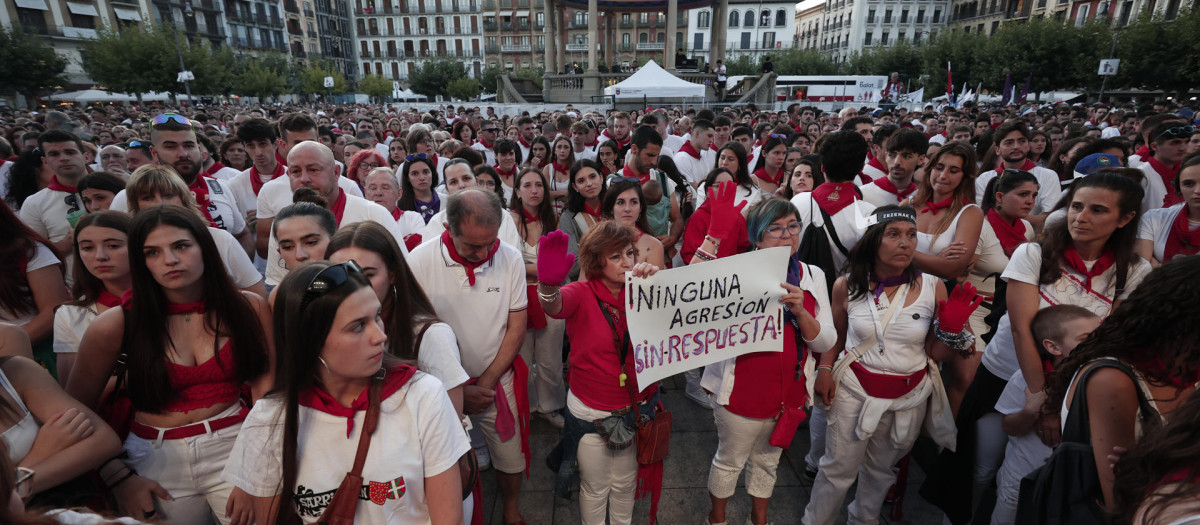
<point x="525" y="135"/>
<point x="52" y="211"/>
<point x="1012" y="147"/>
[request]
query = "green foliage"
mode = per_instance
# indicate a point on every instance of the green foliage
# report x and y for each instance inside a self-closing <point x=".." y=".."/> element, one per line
<point x="963" y="50"/>
<point x="742" y="65"/>
<point x="801" y="62"/>
<point x="258" y="79"/>
<point x="1055" y="54"/>
<point x="534" y="74"/>
<point x="490" y="78"/>
<point x="434" y="77"/>
<point x="138" y="59"/>
<point x="1159" y="55"/>
<point x="312" y="79"/>
<point x="210" y="67"/>
<point x="902" y="57"/>
<point x="375" y="86"/>
<point x="463" y="89"/>
<point x="27" y="63"/>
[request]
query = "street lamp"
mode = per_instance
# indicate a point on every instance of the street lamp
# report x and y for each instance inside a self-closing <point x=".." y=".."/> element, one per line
<point x="184" y="74"/>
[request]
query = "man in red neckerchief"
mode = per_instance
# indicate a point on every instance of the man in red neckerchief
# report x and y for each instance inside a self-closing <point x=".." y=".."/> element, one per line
<point x="1012" y="147"/>
<point x="905" y="153"/>
<point x="1144" y="127"/>
<point x="694" y="160"/>
<point x="864" y="127"/>
<point x="525" y="135"/>
<point x="52" y="211"/>
<point x="477" y="285"/>
<point x="793" y="115"/>
<point x="1168" y="146"/>
<point x="258" y="137"/>
<point x="875" y="168"/>
<point x="619" y="127"/>
<point x="209" y="165"/>
<point x="644" y="146"/>
<point x="488" y="132"/>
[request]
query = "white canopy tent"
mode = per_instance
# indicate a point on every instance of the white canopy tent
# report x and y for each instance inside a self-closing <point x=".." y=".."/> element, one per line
<point x="98" y="95"/>
<point x="652" y="81"/>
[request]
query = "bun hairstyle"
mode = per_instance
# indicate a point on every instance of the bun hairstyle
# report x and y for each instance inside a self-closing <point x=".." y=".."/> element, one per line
<point x="306" y="202"/>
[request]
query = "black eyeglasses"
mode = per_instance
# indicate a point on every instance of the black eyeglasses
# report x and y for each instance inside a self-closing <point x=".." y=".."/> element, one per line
<point x="411" y="158"/>
<point x="328" y="280"/>
<point x="1178" y="132"/>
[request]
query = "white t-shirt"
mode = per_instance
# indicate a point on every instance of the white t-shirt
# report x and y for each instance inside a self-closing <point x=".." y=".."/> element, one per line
<point x="226" y="173"/>
<point x="243" y="190"/>
<point x="845" y="222"/>
<point x="241" y="269"/>
<point x="410" y="222"/>
<point x="478" y="314"/>
<point x="1000" y="356"/>
<point x="42" y="258"/>
<point x="419" y="436"/>
<point x="991" y="257"/>
<point x="46" y="212"/>
<point x="489" y="156"/>
<point x="70" y="323"/>
<point x="223" y="206"/>
<point x="5" y="170"/>
<point x="693" y="169"/>
<point x="436" y="225"/>
<point x="870" y="171"/>
<point x="1154" y="187"/>
<point x="1155" y="225"/>
<point x="877" y="196"/>
<point x="1023" y="454"/>
<point x="439" y="356"/>
<point x="1049" y="188"/>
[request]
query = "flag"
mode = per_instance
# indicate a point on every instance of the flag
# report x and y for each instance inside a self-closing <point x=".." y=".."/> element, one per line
<point x="915" y="96"/>
<point x="949" y="85"/>
<point x="1004" y="94"/>
<point x="1028" y="85"/>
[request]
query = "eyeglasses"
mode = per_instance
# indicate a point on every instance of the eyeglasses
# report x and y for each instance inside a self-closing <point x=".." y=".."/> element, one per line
<point x="776" y="231"/>
<point x="367" y="166"/>
<point x="24" y="482"/>
<point x="777" y="136"/>
<point x="328" y="280"/>
<point x="169" y="117"/>
<point x="411" y="158"/>
<point x="489" y="130"/>
<point x="1178" y="132"/>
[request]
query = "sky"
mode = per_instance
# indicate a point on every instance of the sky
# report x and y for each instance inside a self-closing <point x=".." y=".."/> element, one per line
<point x="807" y="4"/>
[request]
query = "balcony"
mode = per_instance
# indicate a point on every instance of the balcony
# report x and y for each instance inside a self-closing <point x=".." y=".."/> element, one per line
<point x="507" y="26"/>
<point x="523" y="4"/>
<point x="523" y="26"/>
<point x="577" y="23"/>
<point x="490" y="25"/>
<point x="626" y="46"/>
<point x="660" y="22"/>
<point x="491" y="48"/>
<point x="626" y="24"/>
<point x="577" y="47"/>
<point x="651" y="46"/>
<point x="309" y="13"/>
<point x="489" y="5"/>
<point x="515" y="48"/>
<point x="290" y="6"/>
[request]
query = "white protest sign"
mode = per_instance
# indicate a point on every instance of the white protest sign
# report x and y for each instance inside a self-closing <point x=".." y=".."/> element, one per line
<point x="688" y="317"/>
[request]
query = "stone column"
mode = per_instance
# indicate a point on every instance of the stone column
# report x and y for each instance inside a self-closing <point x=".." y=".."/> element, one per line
<point x="559" y="34"/>
<point x="672" y="26"/>
<point x="720" y="22"/>
<point x="552" y="65"/>
<point x="593" y="33"/>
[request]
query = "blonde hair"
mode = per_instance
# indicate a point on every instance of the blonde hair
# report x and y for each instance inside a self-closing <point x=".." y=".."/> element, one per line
<point x="153" y="179"/>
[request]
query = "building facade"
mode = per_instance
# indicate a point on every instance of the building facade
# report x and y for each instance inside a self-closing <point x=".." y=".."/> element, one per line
<point x="395" y="36"/>
<point x="751" y="28"/>
<point x="336" y="35"/>
<point x="66" y="24"/>
<point x="514" y="33"/>
<point x="809" y="15"/>
<point x="255" y="26"/>
<point x="851" y="26"/>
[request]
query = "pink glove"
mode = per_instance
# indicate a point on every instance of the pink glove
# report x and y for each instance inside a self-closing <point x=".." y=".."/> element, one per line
<point x="553" y="261"/>
<point x="725" y="215"/>
<point x="954" y="312"/>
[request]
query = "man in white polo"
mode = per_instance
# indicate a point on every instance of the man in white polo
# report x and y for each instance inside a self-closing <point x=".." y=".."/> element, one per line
<point x="695" y="158"/>
<point x="477" y="285"/>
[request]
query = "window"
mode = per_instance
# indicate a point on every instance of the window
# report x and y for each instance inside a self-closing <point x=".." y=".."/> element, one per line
<point x="870" y="16"/>
<point x="887" y="16"/>
<point x="1081" y="16"/>
<point x="746" y="39"/>
<point x="625" y="39"/>
<point x="884" y="39"/>
<point x="768" y="40"/>
<point x="643" y="18"/>
<point x="904" y="16"/>
<point x="698" y="41"/>
<point x="704" y="19"/>
<point x="643" y="38"/>
<point x="625" y="20"/>
<point x="937" y="15"/>
<point x="867" y="39"/>
<point x="921" y="16"/>
<point x="765" y="19"/>
<point x="734" y="17"/>
<point x="780" y="18"/>
<point x="995" y="26"/>
<point x="661" y="37"/>
<point x="84" y="21"/>
<point x="748" y="20"/>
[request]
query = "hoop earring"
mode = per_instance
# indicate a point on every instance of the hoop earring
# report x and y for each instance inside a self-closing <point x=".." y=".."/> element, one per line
<point x="395" y="294"/>
<point x="322" y="360"/>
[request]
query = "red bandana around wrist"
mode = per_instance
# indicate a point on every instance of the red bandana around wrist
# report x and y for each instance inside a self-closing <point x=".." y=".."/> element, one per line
<point x="318" y="399"/>
<point x="1071" y="257"/>
<point x="1168" y="174"/>
<point x="339" y="206"/>
<point x="256" y="182"/>
<point x="762" y="174"/>
<point x="467" y="265"/>
<point x="935" y="207"/>
<point x="1010" y="235"/>
<point x="55" y="185"/>
<point x="690" y="150"/>
<point x="199" y="189"/>
<point x="887" y="185"/>
<point x="1181" y="240"/>
<point x="835" y="196"/>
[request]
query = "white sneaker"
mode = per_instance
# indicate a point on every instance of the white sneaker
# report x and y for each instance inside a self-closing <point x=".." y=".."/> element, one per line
<point x="702" y="398"/>
<point x="483" y="457"/>
<point x="554" y="418"/>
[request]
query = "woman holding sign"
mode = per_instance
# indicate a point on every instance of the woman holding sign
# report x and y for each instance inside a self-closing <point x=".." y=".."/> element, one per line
<point x="760" y="397"/>
<point x="894" y="322"/>
<point x="604" y="397"/>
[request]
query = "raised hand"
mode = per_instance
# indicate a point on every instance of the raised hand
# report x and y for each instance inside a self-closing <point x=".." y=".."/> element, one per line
<point x="554" y="262"/>
<point x="954" y="312"/>
<point x="724" y="221"/>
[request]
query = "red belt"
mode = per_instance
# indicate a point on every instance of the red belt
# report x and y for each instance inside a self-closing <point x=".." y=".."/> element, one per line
<point x="886" y="386"/>
<point x="187" y="431"/>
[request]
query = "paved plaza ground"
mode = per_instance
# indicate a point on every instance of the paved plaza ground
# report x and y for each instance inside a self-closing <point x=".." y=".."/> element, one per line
<point x="685" y="479"/>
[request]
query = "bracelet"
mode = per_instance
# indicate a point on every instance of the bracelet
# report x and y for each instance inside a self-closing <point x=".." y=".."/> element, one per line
<point x="122" y="480"/>
<point x="550" y="297"/>
<point x="715" y="241"/>
<point x="110" y="473"/>
<point x="705" y="256"/>
<point x="548" y="285"/>
<point x="959" y="342"/>
<point x="825" y="367"/>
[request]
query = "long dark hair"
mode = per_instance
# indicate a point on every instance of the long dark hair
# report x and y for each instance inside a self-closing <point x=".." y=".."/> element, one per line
<point x="549" y="152"/>
<point x="87" y="287"/>
<point x="742" y="177"/>
<point x="1005" y="182"/>
<point x="20" y="244"/>
<point x="545" y="210"/>
<point x="770" y="144"/>
<point x="146" y="339"/>
<point x="407" y="195"/>
<point x="23" y="179"/>
<point x="860" y="264"/>
<point x="575" y="200"/>
<point x="1057" y="237"/>
<point x="402" y="311"/>
<point x="302" y="331"/>
<point x="615" y="189"/>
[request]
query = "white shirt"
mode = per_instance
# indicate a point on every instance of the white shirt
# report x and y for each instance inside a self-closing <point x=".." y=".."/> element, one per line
<point x="489" y="156"/>
<point x="225" y="173"/>
<point x="1154" y="187"/>
<point x="5" y="170"/>
<point x="991" y="257"/>
<point x="478" y="314"/>
<point x="845" y="222"/>
<point x="70" y="323"/>
<point x="42" y="258"/>
<point x="931" y="244"/>
<point x="1000" y="356"/>
<point x="223" y="206"/>
<point x="243" y="190"/>
<point x="693" y="169"/>
<point x="877" y="196"/>
<point x="419" y="436"/>
<point x="1155" y="225"/>
<point x="904" y="339"/>
<point x="870" y="171"/>
<point x="410" y="222"/>
<point x="437" y="224"/>
<point x="47" y="213"/>
<point x="439" y="356"/>
<point x="1049" y="188"/>
<point x="241" y="269"/>
<point x="1023" y="454"/>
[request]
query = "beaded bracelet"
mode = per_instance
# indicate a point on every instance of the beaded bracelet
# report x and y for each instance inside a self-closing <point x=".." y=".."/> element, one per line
<point x="959" y="342"/>
<point x="715" y="241"/>
<point x="705" y="256"/>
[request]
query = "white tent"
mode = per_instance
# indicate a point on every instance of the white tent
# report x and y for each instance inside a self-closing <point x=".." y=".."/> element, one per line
<point x="652" y="81"/>
<point x="92" y="95"/>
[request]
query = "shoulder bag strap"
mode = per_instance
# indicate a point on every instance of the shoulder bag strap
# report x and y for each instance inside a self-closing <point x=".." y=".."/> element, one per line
<point x="421" y="337"/>
<point x="622" y="352"/>
<point x="857" y="352"/>
<point x="372" y="421"/>
<point x="831" y="231"/>
<point x="1077" y="428"/>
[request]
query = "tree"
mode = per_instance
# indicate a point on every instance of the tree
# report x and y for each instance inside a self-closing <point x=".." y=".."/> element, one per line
<point x="27" y="64"/>
<point x="963" y="50"/>
<point x="1048" y="50"/>
<point x="312" y="79"/>
<point x="490" y="79"/>
<point x="211" y="68"/>
<point x="1154" y="55"/>
<point x="259" y="80"/>
<point x="432" y="78"/>
<point x="136" y="60"/>
<point x="463" y="89"/>
<point x="901" y="57"/>
<point x="800" y="62"/>
<point x="375" y="86"/>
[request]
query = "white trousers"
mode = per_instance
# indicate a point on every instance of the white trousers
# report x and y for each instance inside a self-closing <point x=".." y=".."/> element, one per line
<point x="542" y="351"/>
<point x="190" y="470"/>
<point x="607" y="478"/>
<point x="817" y="423"/>
<point x="743" y="443"/>
<point x="979" y="327"/>
<point x="866" y="436"/>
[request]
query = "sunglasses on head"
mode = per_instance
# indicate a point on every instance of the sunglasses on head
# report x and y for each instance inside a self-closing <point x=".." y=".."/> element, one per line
<point x="1178" y="132"/>
<point x="624" y="179"/>
<point x="328" y="280"/>
<point x="777" y="136"/>
<point x="169" y="117"/>
<point x="411" y="158"/>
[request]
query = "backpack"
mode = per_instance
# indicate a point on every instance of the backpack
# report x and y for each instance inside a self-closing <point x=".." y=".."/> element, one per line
<point x="815" y="250"/>
<point x="1066" y="490"/>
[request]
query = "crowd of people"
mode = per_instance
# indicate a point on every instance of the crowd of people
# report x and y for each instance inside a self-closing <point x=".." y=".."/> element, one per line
<point x="385" y="299"/>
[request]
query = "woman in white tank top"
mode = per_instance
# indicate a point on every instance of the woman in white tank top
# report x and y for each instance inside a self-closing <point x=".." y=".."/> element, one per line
<point x="558" y="173"/>
<point x="883" y="391"/>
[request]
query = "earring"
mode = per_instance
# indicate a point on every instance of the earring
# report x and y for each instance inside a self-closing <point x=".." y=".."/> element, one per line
<point x="322" y="360"/>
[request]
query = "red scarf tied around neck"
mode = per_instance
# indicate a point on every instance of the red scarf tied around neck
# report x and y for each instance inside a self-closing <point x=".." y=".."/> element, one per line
<point x="55" y="185"/>
<point x="935" y="207"/>
<point x="688" y="148"/>
<point x="1010" y="235"/>
<point x="762" y="174"/>
<point x="1167" y="173"/>
<point x="467" y="265"/>
<point x="318" y="399"/>
<point x="1181" y="240"/>
<point x="1071" y="257"/>
<point x="256" y="182"/>
<point x="835" y="196"/>
<point x="887" y="185"/>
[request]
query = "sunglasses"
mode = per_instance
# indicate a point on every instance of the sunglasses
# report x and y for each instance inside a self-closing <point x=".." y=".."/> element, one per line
<point x="328" y="280"/>
<point x="1178" y="132"/>
<point x="411" y="158"/>
<point x="489" y="130"/>
<point x="169" y="117"/>
<point x="611" y="180"/>
<point x="776" y="136"/>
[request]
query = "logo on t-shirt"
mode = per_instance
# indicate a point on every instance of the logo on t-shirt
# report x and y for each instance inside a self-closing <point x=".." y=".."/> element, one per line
<point x="309" y="503"/>
<point x="381" y="492"/>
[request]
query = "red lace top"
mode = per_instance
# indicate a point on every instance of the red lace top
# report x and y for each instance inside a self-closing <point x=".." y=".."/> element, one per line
<point x="206" y="384"/>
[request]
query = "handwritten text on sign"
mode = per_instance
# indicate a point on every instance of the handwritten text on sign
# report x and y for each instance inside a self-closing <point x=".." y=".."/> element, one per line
<point x="688" y="317"/>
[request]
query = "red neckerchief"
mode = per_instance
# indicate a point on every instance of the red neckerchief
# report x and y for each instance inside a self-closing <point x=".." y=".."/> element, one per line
<point x="484" y="143"/>
<point x="1168" y="174"/>
<point x="1010" y="235"/>
<point x="561" y="168"/>
<point x="1183" y="475"/>
<point x="758" y="143"/>
<point x="1144" y="152"/>
<point x="628" y="173"/>
<point x="593" y="143"/>
<point x="318" y="399"/>
<point x="339" y="206"/>
<point x="761" y="173"/>
<point x="107" y="299"/>
<point x="279" y="158"/>
<point x="595" y="213"/>
<point x="688" y="148"/>
<point x="397" y="213"/>
<point x="887" y="185"/>
<point x="200" y="190"/>
<point x="1156" y="369"/>
<point x="1027" y="165"/>
<point x="874" y="162"/>
<point x="835" y="196"/>
<point x="713" y="146"/>
<point x="616" y="308"/>
<point x="935" y="207"/>
<point x="185" y="308"/>
<point x="467" y="265"/>
<point x="1071" y="257"/>
<point x="620" y="144"/>
<point x="504" y="173"/>
<point x="58" y="186"/>
<point x="521" y="140"/>
<point x="212" y="170"/>
<point x="1181" y="240"/>
<point x="528" y="218"/>
<point x="434" y="158"/>
<point x="256" y="182"/>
